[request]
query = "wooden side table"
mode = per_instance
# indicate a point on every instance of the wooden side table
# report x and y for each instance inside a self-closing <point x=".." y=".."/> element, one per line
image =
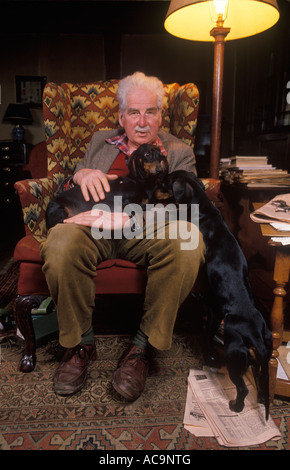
<point x="278" y="386"/>
<point x="237" y="205"/>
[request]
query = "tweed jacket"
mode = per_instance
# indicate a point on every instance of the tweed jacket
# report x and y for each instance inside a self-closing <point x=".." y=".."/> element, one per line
<point x="100" y="154"/>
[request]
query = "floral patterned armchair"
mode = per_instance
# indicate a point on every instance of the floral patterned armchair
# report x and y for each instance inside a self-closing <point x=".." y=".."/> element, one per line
<point x="72" y="113"/>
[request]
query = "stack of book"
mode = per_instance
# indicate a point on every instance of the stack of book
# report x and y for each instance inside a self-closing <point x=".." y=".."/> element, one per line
<point x="253" y="172"/>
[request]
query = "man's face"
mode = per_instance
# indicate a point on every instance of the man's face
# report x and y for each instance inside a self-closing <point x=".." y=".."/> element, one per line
<point x="141" y="119"/>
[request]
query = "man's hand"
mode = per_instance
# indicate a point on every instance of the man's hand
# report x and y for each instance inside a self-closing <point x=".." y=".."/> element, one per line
<point x="93" y="182"/>
<point x="101" y="219"/>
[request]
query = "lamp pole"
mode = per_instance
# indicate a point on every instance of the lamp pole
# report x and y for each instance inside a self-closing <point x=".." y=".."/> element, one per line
<point x="219" y="33"/>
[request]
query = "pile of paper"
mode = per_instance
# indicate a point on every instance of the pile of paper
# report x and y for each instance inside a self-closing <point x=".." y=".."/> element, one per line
<point x="207" y="412"/>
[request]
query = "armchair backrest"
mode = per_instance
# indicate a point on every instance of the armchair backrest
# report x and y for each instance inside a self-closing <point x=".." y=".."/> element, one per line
<point x="74" y="112"/>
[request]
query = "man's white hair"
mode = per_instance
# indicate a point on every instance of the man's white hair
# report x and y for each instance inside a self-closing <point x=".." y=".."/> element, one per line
<point x="139" y="80"/>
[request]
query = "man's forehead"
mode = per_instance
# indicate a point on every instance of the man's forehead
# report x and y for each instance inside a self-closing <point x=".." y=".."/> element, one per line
<point x="141" y="98"/>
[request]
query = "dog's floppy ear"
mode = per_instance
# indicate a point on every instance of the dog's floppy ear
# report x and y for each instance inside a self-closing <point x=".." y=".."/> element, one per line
<point x="138" y="170"/>
<point x="132" y="165"/>
<point x="164" y="165"/>
<point x="136" y="165"/>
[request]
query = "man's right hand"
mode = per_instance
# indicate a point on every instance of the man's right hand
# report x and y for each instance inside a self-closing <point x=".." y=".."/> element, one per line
<point x="93" y="182"/>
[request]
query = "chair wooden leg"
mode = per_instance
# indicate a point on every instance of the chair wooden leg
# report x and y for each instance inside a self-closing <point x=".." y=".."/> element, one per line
<point x="22" y="313"/>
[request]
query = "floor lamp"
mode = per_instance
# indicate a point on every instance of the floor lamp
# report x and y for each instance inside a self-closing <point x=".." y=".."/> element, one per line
<point x="219" y="20"/>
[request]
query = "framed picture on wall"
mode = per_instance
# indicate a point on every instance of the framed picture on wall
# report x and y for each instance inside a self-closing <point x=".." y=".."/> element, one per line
<point x="29" y="90"/>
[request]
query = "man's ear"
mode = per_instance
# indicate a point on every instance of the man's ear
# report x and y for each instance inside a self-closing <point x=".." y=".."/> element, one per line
<point x="121" y="118"/>
<point x="160" y="117"/>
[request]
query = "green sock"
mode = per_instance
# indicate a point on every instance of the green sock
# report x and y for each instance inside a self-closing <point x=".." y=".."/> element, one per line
<point x="88" y="336"/>
<point x="140" y="339"/>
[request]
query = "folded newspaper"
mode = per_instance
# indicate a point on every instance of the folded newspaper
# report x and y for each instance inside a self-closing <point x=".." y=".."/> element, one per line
<point x="278" y="209"/>
<point x="207" y="411"/>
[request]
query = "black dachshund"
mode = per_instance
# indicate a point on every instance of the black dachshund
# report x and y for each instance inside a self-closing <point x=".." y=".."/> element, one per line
<point x="147" y="171"/>
<point x="247" y="339"/>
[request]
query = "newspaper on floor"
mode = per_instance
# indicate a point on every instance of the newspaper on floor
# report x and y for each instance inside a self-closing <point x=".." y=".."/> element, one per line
<point x="207" y="412"/>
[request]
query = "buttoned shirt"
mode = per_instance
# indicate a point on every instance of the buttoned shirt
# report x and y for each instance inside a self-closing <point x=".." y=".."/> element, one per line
<point x="121" y="142"/>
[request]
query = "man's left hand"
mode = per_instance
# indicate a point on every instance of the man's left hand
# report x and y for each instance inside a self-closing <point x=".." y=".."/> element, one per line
<point x="101" y="219"/>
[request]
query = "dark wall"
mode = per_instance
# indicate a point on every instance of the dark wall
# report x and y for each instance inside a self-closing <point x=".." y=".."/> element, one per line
<point x="91" y="40"/>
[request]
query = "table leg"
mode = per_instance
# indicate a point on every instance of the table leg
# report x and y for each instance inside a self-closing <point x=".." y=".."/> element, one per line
<point x="281" y="276"/>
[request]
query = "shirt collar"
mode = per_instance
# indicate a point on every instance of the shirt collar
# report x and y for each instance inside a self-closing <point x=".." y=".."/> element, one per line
<point x="121" y="142"/>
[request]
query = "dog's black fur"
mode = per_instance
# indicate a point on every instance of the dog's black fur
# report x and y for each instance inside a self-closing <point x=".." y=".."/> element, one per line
<point x="245" y="329"/>
<point x="147" y="170"/>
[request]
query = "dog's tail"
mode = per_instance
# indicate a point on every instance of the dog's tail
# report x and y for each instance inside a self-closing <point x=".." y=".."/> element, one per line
<point x="265" y="386"/>
<point x="262" y="382"/>
<point x="260" y="368"/>
<point x="264" y="366"/>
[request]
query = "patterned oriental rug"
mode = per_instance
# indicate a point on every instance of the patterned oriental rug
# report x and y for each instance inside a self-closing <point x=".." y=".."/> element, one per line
<point x="33" y="417"/>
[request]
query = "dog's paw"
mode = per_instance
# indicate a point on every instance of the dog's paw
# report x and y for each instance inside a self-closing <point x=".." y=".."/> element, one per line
<point x="238" y="404"/>
<point x="235" y="406"/>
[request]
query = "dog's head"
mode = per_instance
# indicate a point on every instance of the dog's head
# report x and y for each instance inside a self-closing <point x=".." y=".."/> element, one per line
<point x="147" y="162"/>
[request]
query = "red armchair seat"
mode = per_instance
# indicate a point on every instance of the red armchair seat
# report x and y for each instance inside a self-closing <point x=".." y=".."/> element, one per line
<point x="115" y="276"/>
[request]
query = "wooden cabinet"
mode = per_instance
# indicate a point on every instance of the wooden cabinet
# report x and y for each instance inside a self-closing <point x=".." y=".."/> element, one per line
<point x="13" y="155"/>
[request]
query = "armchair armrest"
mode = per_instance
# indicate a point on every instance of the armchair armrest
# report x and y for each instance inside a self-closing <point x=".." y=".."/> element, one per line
<point x="34" y="195"/>
<point x="212" y="188"/>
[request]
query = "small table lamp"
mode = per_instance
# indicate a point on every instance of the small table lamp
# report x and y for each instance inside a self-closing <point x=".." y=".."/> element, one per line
<point x="18" y="114"/>
<point x="233" y="19"/>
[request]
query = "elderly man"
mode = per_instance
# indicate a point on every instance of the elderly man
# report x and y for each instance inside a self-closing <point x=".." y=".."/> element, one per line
<point x="71" y="253"/>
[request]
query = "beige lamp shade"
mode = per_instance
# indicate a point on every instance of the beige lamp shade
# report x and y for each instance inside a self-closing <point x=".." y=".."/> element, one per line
<point x="193" y="19"/>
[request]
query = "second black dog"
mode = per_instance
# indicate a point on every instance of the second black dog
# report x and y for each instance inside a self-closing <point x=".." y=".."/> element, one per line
<point x="247" y="339"/>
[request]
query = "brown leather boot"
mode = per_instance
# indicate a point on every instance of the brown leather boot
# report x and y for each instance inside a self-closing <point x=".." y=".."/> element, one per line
<point x="71" y="374"/>
<point x="130" y="377"/>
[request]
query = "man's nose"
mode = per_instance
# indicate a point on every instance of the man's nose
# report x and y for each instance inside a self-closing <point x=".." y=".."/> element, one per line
<point x="142" y="120"/>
